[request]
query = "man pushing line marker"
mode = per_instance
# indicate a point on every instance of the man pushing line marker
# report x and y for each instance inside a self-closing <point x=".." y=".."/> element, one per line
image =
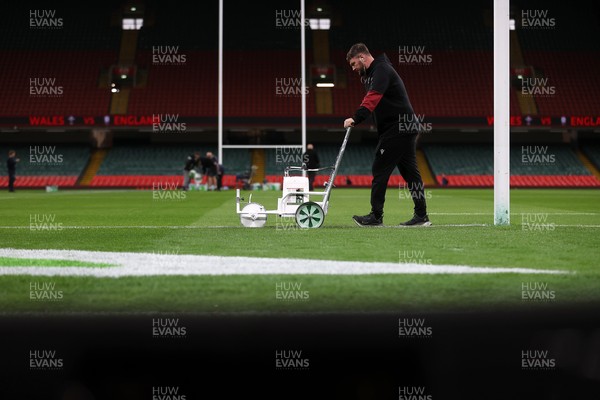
<point x="398" y="128"/>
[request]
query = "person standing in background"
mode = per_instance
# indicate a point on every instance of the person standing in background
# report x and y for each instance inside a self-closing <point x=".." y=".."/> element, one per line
<point x="311" y="159"/>
<point x="210" y="165"/>
<point x="220" y="173"/>
<point x="445" y="181"/>
<point x="191" y="162"/>
<point x="11" y="165"/>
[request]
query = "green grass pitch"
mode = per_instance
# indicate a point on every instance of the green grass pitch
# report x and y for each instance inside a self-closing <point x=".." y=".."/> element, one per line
<point x="550" y="229"/>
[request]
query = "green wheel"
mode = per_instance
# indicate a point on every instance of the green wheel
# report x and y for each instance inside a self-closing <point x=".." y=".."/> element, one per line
<point x="309" y="215"/>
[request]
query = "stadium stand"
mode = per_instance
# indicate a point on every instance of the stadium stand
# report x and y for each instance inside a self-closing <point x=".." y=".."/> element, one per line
<point x="44" y="165"/>
<point x="143" y="165"/>
<point x="85" y="26"/>
<point x="162" y="160"/>
<point x="46" y="83"/>
<point x="530" y="165"/>
<point x="256" y="90"/>
<point x="568" y="79"/>
<point x="56" y="69"/>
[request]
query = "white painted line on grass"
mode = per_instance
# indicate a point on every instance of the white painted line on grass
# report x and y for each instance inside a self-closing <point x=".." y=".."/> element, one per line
<point x="490" y="214"/>
<point x="123" y="227"/>
<point x="91" y="227"/>
<point x="577" y="226"/>
<point x="150" y="264"/>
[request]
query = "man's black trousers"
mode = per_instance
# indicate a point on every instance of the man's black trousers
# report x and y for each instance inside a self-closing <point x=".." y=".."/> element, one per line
<point x="397" y="151"/>
<point x="311" y="180"/>
<point x="11" y="182"/>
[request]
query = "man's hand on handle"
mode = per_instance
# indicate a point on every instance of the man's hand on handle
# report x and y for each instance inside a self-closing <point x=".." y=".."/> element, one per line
<point x="348" y="122"/>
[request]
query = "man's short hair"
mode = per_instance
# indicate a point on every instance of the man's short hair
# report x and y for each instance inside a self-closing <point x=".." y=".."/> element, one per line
<point x="356" y="49"/>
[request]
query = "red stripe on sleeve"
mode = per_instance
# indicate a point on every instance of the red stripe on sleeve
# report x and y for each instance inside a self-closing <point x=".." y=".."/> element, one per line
<point x="371" y="100"/>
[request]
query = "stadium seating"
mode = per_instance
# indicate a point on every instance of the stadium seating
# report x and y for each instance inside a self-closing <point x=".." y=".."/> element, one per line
<point x="78" y="27"/>
<point x="148" y="181"/>
<point x="163" y="160"/>
<point x="50" y="160"/>
<point x="571" y="77"/>
<point x="530" y="165"/>
<point x="44" y="165"/>
<point x="575" y="27"/>
<point x="70" y="57"/>
<point x="68" y="83"/>
<point x="40" y="181"/>
<point x="524" y="181"/>
<point x="190" y="89"/>
<point x="403" y="24"/>
<point x="526" y="159"/>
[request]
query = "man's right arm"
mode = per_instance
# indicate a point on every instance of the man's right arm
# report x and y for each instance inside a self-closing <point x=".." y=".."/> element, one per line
<point x="370" y="101"/>
<point x="381" y="81"/>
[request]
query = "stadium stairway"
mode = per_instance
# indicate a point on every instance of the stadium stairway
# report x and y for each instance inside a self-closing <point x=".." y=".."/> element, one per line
<point x="259" y="159"/>
<point x="119" y="102"/>
<point x="426" y="174"/>
<point x="526" y="103"/>
<point x="587" y="163"/>
<point x="92" y="167"/>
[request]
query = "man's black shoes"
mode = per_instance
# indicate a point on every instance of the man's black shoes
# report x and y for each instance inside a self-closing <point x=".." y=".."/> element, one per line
<point x="417" y="221"/>
<point x="368" y="220"/>
<point x="372" y="220"/>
